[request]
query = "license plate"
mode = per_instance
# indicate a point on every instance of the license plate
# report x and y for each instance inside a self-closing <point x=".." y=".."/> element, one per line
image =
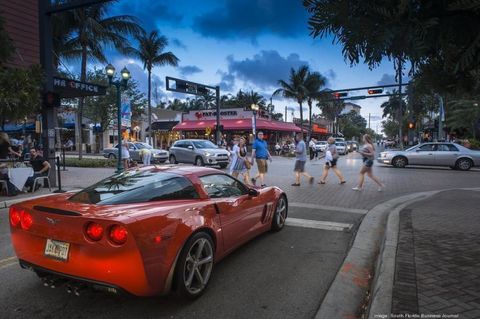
<point x="57" y="249"/>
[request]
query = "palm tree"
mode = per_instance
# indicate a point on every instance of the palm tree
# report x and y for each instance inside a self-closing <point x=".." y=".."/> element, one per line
<point x="295" y="89"/>
<point x="88" y="30"/>
<point x="151" y="53"/>
<point x="331" y="110"/>
<point x="313" y="84"/>
<point x="465" y="115"/>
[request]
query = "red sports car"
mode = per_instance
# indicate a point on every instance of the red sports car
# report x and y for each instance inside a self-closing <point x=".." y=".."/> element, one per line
<point x="144" y="231"/>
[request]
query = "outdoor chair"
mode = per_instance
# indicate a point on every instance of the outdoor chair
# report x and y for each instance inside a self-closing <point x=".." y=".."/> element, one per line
<point x="38" y="179"/>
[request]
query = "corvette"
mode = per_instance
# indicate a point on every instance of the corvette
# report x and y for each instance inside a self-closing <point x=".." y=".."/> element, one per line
<point x="144" y="232"/>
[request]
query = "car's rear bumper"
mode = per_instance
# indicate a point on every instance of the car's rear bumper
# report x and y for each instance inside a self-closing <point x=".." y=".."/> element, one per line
<point x="119" y="267"/>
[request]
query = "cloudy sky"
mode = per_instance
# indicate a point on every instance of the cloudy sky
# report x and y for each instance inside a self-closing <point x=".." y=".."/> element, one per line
<point x="247" y="44"/>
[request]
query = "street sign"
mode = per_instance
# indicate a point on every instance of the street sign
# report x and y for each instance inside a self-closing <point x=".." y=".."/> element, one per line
<point x="68" y="88"/>
<point x="182" y="86"/>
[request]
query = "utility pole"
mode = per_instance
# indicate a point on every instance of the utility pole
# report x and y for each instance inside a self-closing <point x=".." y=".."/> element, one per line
<point x="400" y="106"/>
<point x="285" y="114"/>
<point x="369" y="120"/>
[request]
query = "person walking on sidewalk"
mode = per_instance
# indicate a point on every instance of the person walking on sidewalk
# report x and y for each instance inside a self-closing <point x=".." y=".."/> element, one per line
<point x="261" y="154"/>
<point x="125" y="154"/>
<point x="331" y="157"/>
<point x="242" y="164"/>
<point x="301" y="159"/>
<point x="368" y="153"/>
<point x="146" y="156"/>
<point x="233" y="156"/>
<point x="311" y="148"/>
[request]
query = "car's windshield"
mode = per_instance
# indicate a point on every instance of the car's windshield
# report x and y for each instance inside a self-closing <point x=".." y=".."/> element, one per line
<point x="204" y="144"/>
<point x="137" y="187"/>
<point x="321" y="143"/>
<point x="340" y="144"/>
<point x="143" y="145"/>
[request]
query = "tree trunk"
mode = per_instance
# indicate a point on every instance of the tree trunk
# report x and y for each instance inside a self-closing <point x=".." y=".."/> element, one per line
<point x="309" y="120"/>
<point x="83" y="77"/>
<point x="149" y="106"/>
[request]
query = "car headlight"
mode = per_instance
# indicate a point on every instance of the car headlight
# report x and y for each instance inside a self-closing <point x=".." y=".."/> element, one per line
<point x="207" y="154"/>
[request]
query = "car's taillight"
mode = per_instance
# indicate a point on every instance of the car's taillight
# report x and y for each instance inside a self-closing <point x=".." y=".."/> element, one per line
<point x="15" y="216"/>
<point x="94" y="231"/>
<point x="26" y="220"/>
<point x="118" y="234"/>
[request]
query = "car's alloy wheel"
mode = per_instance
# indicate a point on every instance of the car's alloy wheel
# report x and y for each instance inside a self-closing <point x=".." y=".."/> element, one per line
<point x="199" y="161"/>
<point x="111" y="156"/>
<point x="280" y="215"/>
<point x="195" y="266"/>
<point x="172" y="159"/>
<point x="464" y="164"/>
<point x="399" y="162"/>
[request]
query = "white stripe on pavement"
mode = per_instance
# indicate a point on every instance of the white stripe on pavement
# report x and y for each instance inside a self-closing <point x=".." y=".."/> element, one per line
<point x="8" y="262"/>
<point x="317" y="224"/>
<point x="331" y="208"/>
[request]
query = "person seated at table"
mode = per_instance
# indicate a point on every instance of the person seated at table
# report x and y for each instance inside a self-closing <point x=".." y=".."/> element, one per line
<point x="40" y="168"/>
<point x="5" y="147"/>
<point x="11" y="189"/>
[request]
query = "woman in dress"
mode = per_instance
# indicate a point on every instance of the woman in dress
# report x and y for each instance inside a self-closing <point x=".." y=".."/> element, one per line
<point x="125" y="154"/>
<point x="368" y="153"/>
<point x="242" y="164"/>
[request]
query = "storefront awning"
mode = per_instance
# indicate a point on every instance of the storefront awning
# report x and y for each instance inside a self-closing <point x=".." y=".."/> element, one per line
<point x="233" y="124"/>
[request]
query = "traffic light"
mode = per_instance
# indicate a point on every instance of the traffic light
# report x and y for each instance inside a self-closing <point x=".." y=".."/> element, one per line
<point x="340" y="94"/>
<point x="375" y="91"/>
<point x="411" y="125"/>
<point x="51" y="99"/>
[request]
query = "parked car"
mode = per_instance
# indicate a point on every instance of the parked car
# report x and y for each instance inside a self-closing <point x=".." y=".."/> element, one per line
<point x="198" y="152"/>
<point x="341" y="148"/>
<point x="452" y="155"/>
<point x="158" y="156"/>
<point x="352" y="146"/>
<point x="144" y="232"/>
<point x="320" y="146"/>
<point x="390" y="143"/>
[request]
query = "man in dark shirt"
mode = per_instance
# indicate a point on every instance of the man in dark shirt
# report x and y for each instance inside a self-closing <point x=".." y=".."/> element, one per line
<point x="40" y="167"/>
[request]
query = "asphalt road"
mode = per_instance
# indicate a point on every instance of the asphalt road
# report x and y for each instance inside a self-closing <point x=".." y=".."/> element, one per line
<point x="276" y="275"/>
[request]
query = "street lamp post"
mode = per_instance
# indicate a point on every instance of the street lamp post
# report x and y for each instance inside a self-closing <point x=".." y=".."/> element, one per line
<point x="254" y="108"/>
<point x="125" y="74"/>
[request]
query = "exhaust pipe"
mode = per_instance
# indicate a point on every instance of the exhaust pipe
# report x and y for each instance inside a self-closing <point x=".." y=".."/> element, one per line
<point x="69" y="288"/>
<point x="79" y="289"/>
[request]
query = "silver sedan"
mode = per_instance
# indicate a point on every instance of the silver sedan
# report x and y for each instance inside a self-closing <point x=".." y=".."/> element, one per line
<point x="452" y="155"/>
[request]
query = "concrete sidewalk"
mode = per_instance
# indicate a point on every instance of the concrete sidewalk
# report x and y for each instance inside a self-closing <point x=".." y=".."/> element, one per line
<point x="433" y="266"/>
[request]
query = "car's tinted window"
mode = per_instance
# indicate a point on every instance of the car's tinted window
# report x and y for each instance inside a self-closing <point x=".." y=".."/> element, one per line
<point x="427" y="147"/>
<point x="137" y="187"/>
<point x="219" y="185"/>
<point x="446" y="148"/>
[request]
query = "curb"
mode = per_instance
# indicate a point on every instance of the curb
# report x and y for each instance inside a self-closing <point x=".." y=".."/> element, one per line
<point x="8" y="203"/>
<point x="347" y="296"/>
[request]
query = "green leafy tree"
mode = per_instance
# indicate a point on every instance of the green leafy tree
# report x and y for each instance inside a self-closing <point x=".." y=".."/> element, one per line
<point x="150" y="51"/>
<point x="295" y="88"/>
<point x="390" y="127"/>
<point x="88" y="30"/>
<point x="465" y="116"/>
<point x="331" y="110"/>
<point x="352" y="124"/>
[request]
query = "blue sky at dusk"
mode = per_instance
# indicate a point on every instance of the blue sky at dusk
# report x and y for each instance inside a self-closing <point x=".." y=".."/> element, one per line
<point x="248" y="45"/>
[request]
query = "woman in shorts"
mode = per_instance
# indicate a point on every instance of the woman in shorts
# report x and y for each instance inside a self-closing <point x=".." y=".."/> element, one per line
<point x="368" y="153"/>
<point x="331" y="157"/>
<point x="242" y="164"/>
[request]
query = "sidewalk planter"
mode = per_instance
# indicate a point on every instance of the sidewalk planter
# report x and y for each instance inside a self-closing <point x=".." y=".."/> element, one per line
<point x="90" y="162"/>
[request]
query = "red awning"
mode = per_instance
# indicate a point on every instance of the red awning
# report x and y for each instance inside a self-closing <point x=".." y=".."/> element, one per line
<point x="233" y="124"/>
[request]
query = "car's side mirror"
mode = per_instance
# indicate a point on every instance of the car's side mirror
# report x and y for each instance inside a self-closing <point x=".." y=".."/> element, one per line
<point x="190" y="147"/>
<point x="252" y="192"/>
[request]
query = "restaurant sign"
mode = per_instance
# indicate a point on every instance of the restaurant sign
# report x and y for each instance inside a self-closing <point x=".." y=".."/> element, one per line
<point x="234" y="113"/>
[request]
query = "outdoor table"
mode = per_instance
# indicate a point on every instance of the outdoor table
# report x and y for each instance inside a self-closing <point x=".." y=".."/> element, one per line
<point x="18" y="176"/>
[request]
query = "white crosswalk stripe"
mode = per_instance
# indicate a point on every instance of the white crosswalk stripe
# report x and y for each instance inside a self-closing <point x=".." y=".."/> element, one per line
<point x="329" y="208"/>
<point x="318" y="224"/>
